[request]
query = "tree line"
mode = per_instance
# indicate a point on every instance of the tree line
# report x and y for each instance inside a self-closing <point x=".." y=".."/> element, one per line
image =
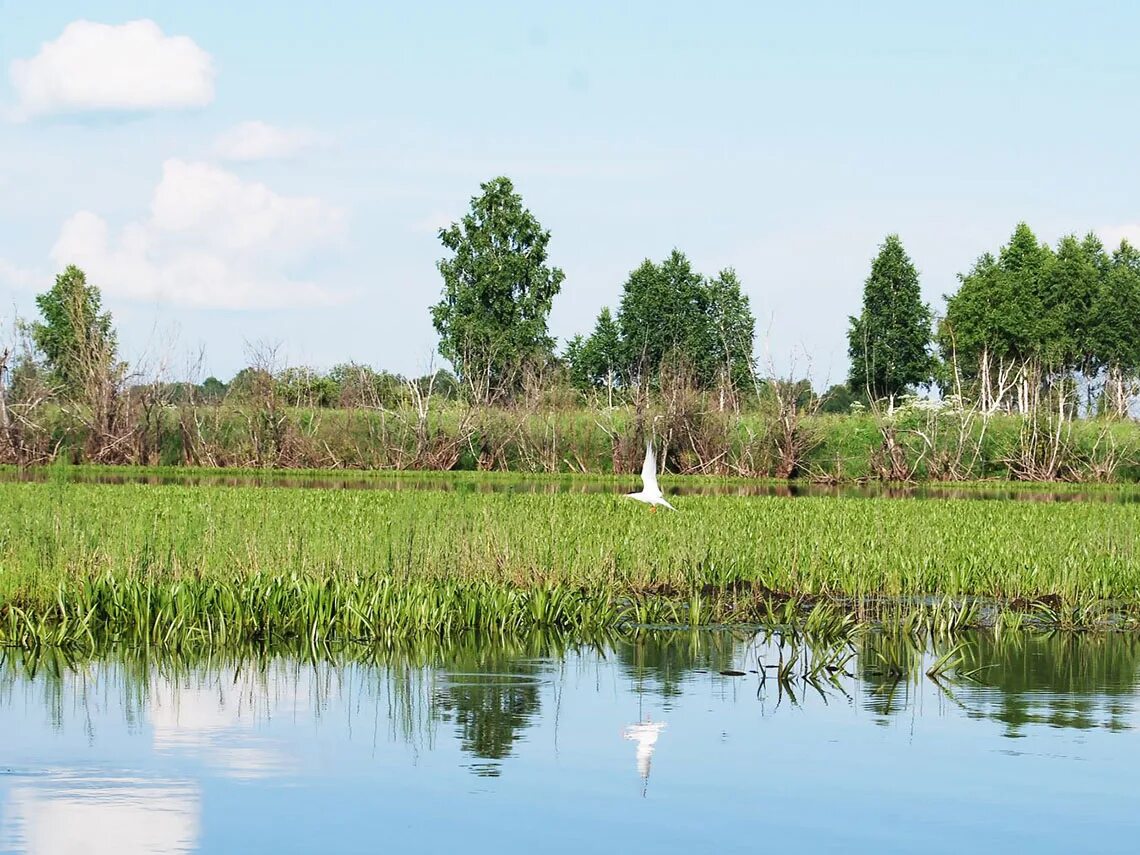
<point x="1028" y="323"/>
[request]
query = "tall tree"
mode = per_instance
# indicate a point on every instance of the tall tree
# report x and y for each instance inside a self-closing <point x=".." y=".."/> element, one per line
<point x="664" y="316"/>
<point x="889" y="342"/>
<point x="732" y="329"/>
<point x="74" y="335"/>
<point x="1005" y="321"/>
<point x="497" y="291"/>
<point x="1114" y="328"/>
<point x="1031" y="322"/>
<point x="596" y="361"/>
<point x="1074" y="282"/>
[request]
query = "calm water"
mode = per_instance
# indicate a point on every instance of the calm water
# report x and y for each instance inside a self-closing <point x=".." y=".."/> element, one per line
<point x="482" y="483"/>
<point x="618" y="747"/>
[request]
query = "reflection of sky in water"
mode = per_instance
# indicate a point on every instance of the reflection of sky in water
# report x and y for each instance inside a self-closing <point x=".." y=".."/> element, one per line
<point x="214" y="717"/>
<point x="100" y="816"/>
<point x="497" y="750"/>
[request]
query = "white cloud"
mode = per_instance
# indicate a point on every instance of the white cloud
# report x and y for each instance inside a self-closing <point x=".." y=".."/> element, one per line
<point x="211" y="240"/>
<point x="1111" y="236"/>
<point x="96" y="67"/>
<point x="261" y="141"/>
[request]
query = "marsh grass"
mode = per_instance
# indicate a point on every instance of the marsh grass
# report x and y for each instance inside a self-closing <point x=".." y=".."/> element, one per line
<point x="178" y="563"/>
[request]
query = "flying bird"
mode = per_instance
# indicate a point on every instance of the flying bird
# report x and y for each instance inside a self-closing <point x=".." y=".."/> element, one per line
<point x="650" y="493"/>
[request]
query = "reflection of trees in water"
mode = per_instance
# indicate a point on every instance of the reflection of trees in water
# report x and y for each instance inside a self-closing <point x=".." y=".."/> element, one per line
<point x="1060" y="679"/>
<point x="491" y="692"/>
<point x="490" y="688"/>
<point x="1064" y="680"/>
<point x="659" y="662"/>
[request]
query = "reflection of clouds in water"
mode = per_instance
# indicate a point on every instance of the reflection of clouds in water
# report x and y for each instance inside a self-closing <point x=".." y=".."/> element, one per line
<point x="212" y="718"/>
<point x="645" y="734"/>
<point x="60" y="815"/>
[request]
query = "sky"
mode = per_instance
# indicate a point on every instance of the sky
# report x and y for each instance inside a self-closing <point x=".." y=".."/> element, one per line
<point x="236" y="176"/>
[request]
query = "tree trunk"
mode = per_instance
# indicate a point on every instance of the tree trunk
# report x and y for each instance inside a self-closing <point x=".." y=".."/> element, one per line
<point x="4" y="424"/>
<point x="984" y="373"/>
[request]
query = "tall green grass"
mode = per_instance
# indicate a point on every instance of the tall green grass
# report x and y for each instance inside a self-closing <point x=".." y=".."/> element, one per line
<point x="171" y="562"/>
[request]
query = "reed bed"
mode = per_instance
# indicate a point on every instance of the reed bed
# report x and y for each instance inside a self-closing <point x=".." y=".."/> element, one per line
<point x="226" y="564"/>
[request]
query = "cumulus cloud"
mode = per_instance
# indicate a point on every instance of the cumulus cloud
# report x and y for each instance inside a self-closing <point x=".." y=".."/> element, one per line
<point x="210" y="240"/>
<point x="261" y="141"/>
<point x="1111" y="236"/>
<point x="103" y="67"/>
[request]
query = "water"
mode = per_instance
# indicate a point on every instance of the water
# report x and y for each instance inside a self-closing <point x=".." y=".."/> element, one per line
<point x="536" y="745"/>
<point x="495" y="483"/>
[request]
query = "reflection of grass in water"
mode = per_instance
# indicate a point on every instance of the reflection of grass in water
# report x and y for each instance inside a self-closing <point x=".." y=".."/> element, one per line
<point x="176" y="564"/>
<point x="493" y="697"/>
<point x="487" y="691"/>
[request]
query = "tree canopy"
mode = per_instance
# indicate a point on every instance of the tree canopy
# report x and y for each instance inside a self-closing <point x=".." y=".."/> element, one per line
<point x="497" y="291"/>
<point x="1034" y="316"/>
<point x="74" y="335"/>
<point x="889" y="342"/>
<point x="596" y="361"/>
<point x="671" y="314"/>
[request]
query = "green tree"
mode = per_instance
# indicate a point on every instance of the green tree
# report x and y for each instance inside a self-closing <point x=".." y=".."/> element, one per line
<point x="575" y="366"/>
<point x="1073" y="283"/>
<point x="889" y="342"/>
<point x="837" y="399"/>
<point x="306" y="387"/>
<point x="1019" y="320"/>
<point x="594" y="362"/>
<point x="251" y="383"/>
<point x="664" y="316"/>
<point x="363" y="386"/>
<point x="497" y="292"/>
<point x="732" y="329"/>
<point x="973" y="320"/>
<point x="212" y="390"/>
<point x="75" y="335"/>
<point x="1114" y="327"/>
<point x="1026" y="300"/>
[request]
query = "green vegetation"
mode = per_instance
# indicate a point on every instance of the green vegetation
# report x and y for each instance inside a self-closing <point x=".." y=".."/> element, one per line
<point x="927" y="444"/>
<point x="231" y="564"/>
<point x="1037" y="360"/>
<point x="889" y="343"/>
<point x="1032" y="322"/>
<point x="497" y="293"/>
<point x="75" y="336"/>
<point x="672" y="319"/>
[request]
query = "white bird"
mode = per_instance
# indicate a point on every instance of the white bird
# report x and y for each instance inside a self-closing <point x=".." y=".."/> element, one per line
<point x="650" y="493"/>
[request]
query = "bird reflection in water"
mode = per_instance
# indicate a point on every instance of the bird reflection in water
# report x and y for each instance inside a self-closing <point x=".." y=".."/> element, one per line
<point x="645" y="734"/>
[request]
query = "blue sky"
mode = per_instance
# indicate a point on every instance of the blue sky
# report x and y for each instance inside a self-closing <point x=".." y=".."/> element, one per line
<point x="782" y="140"/>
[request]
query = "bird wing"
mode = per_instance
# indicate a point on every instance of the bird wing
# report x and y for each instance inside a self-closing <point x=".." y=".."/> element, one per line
<point x="649" y="471"/>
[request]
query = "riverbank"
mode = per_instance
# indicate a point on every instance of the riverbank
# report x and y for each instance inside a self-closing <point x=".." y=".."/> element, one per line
<point x="913" y="443"/>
